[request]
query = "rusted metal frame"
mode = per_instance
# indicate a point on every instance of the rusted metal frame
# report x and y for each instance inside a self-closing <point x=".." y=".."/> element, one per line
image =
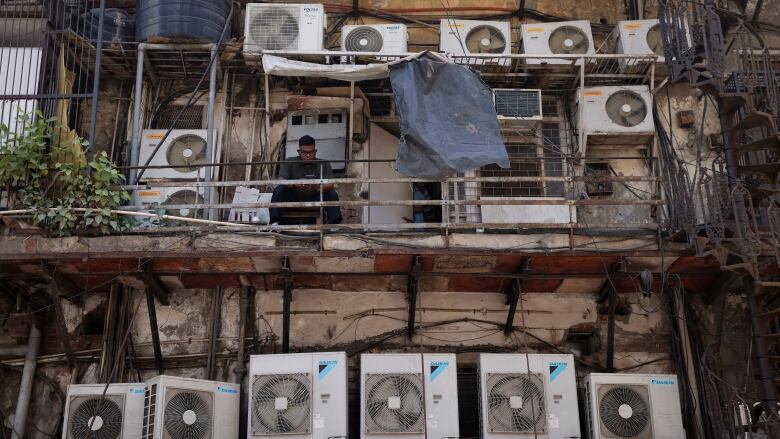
<point x="154" y="329"/>
<point x="342" y="180"/>
<point x="367" y="203"/>
<point x="216" y="323"/>
<point x="513" y="296"/>
<point x="287" y="291"/>
<point x="412" y="293"/>
<point x="153" y="283"/>
<point x="56" y="296"/>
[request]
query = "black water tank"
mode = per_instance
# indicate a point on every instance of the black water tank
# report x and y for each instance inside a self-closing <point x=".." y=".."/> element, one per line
<point x="201" y="21"/>
<point x="118" y="26"/>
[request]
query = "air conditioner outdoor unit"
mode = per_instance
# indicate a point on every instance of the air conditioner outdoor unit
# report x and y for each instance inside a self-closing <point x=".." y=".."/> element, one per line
<point x="409" y="396"/>
<point x="384" y="38"/>
<point x="298" y="396"/>
<point x="185" y="149"/>
<point x="528" y="396"/>
<point x="633" y="406"/>
<point x="155" y="198"/>
<point x="89" y="413"/>
<point x="639" y="37"/>
<point x="558" y="38"/>
<point x="287" y="27"/>
<point x="462" y="39"/>
<point x="184" y="408"/>
<point x="518" y="104"/>
<point x="612" y="110"/>
<point x="329" y="129"/>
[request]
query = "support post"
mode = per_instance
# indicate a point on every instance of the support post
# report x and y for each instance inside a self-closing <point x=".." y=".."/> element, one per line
<point x="513" y="296"/>
<point x="28" y="378"/>
<point x="96" y="84"/>
<point x="612" y="305"/>
<point x="155" y="330"/>
<point x="412" y="290"/>
<point x="286" y="301"/>
<point x="216" y="322"/>
<point x="240" y="370"/>
<point x="135" y="144"/>
<point x="153" y="283"/>
<point x="210" y="137"/>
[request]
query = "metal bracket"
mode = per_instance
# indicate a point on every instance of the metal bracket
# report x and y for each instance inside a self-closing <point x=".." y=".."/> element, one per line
<point x="513" y="296"/>
<point x="153" y="282"/>
<point x="412" y="290"/>
<point x="287" y="281"/>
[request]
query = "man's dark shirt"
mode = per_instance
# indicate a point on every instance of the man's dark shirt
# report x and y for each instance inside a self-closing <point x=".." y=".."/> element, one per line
<point x="296" y="169"/>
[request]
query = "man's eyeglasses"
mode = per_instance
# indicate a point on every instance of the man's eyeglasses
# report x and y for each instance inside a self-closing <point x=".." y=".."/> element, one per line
<point x="313" y="151"/>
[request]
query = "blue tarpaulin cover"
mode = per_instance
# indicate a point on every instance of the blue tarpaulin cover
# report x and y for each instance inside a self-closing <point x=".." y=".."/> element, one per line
<point x="448" y="119"/>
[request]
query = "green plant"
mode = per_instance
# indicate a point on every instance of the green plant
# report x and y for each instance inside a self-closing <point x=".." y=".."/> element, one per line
<point x="65" y="196"/>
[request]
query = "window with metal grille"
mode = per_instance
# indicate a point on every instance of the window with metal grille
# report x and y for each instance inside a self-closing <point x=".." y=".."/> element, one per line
<point x="524" y="162"/>
<point x="542" y="155"/>
<point x="518" y="103"/>
<point x="191" y="119"/>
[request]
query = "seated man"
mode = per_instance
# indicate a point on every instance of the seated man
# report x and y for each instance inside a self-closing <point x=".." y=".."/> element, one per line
<point x="305" y="166"/>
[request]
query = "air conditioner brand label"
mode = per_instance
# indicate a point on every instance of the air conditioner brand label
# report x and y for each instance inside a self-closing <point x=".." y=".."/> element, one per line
<point x="149" y="193"/>
<point x="437" y="367"/>
<point x="632" y="26"/>
<point x="556" y="369"/>
<point x="221" y="389"/>
<point x="536" y="30"/>
<point x="593" y="93"/>
<point x="664" y="382"/>
<point x="154" y="136"/>
<point x="326" y="367"/>
<point x="136" y="391"/>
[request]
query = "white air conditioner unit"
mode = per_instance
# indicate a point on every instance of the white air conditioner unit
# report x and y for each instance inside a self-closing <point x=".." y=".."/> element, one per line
<point x="558" y="38"/>
<point x="463" y="39"/>
<point x="89" y="412"/>
<point x="639" y="37"/>
<point x="528" y="396"/>
<point x="329" y="129"/>
<point x="298" y="395"/>
<point x="381" y="38"/>
<point x="409" y="396"/>
<point x="616" y="110"/>
<point x="185" y="149"/>
<point x="518" y="104"/>
<point x="155" y="199"/>
<point x="633" y="406"/>
<point x="287" y="27"/>
<point x="183" y="408"/>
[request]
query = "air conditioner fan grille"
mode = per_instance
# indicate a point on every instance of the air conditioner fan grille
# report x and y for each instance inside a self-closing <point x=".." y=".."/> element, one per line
<point x="281" y="404"/>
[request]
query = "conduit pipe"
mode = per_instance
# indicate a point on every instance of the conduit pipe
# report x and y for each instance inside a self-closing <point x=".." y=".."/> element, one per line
<point x="28" y="377"/>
